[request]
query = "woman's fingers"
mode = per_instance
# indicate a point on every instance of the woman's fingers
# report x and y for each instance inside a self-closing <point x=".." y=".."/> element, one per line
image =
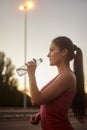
<point x="33" y="120"/>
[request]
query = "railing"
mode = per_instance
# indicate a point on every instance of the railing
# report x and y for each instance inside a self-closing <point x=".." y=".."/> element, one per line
<point x="9" y="114"/>
<point x="17" y="113"/>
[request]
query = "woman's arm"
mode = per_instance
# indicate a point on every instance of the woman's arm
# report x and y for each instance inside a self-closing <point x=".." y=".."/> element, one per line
<point x="64" y="82"/>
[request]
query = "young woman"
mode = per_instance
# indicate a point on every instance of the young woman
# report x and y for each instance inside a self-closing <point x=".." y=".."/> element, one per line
<point x="63" y="91"/>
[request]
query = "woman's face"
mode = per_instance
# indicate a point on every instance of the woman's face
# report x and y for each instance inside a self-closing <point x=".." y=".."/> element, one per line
<point x="55" y="55"/>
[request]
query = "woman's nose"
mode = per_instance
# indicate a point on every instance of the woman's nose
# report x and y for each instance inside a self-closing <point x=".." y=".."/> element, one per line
<point x="48" y="55"/>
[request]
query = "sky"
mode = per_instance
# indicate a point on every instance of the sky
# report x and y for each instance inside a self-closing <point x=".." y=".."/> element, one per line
<point x="47" y="20"/>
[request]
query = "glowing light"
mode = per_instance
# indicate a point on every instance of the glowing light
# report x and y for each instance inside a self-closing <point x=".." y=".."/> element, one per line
<point x="30" y="5"/>
<point x="21" y="7"/>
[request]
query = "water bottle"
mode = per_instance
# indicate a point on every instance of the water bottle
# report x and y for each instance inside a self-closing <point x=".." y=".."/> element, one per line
<point x="23" y="69"/>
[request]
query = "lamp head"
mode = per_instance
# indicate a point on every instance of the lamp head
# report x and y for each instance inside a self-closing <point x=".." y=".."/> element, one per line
<point x="27" y="5"/>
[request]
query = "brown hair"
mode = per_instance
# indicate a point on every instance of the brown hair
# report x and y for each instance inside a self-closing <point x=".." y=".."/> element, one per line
<point x="75" y="53"/>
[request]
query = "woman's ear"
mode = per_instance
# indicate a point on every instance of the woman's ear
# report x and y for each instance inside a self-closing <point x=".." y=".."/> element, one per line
<point x="64" y="52"/>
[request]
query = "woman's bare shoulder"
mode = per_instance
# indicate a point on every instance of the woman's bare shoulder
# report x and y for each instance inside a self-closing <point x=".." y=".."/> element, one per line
<point x="68" y="78"/>
<point x="67" y="74"/>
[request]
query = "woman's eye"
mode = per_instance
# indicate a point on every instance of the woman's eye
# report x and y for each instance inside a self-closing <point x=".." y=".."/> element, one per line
<point x="51" y="49"/>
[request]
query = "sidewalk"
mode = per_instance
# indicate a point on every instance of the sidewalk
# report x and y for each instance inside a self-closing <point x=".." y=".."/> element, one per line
<point x="25" y="125"/>
<point x="14" y="119"/>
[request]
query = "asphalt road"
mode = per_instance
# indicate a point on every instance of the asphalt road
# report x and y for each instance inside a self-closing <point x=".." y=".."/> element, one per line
<point x="25" y="125"/>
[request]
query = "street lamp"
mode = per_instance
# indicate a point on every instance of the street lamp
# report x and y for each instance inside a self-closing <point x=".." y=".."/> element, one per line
<point x="25" y="7"/>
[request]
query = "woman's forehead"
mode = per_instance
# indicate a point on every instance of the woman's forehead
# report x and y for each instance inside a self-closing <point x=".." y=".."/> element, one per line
<point x="53" y="45"/>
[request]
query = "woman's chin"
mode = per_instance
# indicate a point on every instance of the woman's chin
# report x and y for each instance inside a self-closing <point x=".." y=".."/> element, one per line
<point x="51" y="64"/>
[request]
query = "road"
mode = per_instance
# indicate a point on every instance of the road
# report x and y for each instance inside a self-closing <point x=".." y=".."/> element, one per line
<point x="25" y="125"/>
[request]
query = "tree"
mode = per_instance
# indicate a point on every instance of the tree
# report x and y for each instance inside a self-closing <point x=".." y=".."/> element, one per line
<point x="7" y="72"/>
<point x="9" y="94"/>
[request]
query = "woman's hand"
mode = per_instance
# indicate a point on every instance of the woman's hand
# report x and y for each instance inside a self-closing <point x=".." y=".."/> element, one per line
<point x="34" y="120"/>
<point x="31" y="67"/>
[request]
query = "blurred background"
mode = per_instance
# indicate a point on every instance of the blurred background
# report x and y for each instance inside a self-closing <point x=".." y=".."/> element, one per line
<point x="26" y="31"/>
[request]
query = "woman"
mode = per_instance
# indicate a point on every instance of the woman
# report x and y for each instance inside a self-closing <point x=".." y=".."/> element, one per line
<point x="63" y="91"/>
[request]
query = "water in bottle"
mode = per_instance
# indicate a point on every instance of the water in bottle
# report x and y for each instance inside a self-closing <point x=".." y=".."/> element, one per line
<point x="23" y="69"/>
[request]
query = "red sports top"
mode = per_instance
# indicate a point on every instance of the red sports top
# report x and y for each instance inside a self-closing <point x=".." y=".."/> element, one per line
<point x="54" y="115"/>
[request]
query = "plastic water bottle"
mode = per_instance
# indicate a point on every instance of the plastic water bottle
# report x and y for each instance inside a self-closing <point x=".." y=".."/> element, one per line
<point x="23" y="69"/>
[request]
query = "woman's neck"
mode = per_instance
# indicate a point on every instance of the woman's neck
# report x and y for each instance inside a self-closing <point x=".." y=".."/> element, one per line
<point x="63" y="67"/>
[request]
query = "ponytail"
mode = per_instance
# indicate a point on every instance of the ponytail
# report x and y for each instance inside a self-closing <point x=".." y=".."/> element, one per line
<point x="78" y="105"/>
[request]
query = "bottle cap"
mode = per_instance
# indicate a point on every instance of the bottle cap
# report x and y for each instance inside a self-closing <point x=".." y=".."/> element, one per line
<point x="40" y="59"/>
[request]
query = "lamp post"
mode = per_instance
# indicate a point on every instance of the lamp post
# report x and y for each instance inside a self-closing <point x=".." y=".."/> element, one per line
<point x="25" y="7"/>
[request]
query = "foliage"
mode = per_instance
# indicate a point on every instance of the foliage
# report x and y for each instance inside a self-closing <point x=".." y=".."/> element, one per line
<point x="9" y="94"/>
<point x="86" y="100"/>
